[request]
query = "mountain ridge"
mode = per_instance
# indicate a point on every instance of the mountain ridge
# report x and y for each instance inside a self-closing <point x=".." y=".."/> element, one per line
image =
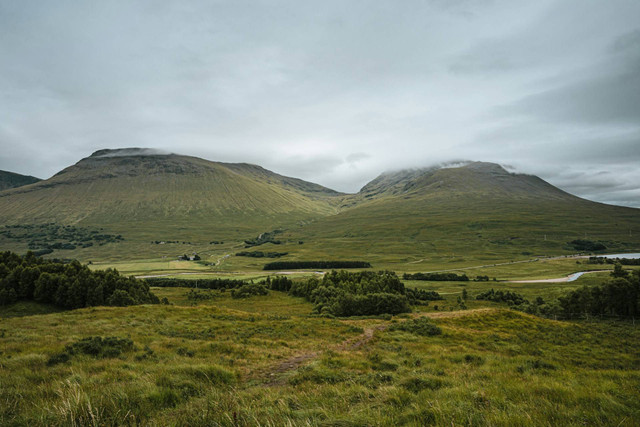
<point x="9" y="180"/>
<point x="478" y="206"/>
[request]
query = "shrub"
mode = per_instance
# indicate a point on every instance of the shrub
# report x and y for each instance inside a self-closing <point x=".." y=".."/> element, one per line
<point x="99" y="347"/>
<point x="249" y="290"/>
<point x="421" y="326"/>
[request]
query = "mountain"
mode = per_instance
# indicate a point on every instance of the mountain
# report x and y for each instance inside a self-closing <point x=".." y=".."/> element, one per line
<point x="477" y="209"/>
<point x="454" y="213"/>
<point x="12" y="180"/>
<point x="156" y="196"/>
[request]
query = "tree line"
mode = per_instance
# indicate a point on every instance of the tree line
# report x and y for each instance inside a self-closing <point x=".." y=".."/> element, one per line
<point x="619" y="296"/>
<point x="342" y="293"/>
<point x="166" y="282"/>
<point x="296" y="265"/>
<point x="436" y="277"/>
<point x="260" y="254"/>
<point x="622" y="261"/>
<point x="67" y="285"/>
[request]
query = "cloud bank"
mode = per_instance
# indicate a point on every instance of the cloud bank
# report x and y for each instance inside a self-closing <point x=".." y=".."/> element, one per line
<point x="333" y="92"/>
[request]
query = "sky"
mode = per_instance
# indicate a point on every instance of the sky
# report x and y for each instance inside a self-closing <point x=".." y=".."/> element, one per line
<point x="334" y="92"/>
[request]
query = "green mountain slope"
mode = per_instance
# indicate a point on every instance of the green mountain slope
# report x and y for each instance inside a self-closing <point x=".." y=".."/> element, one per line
<point x="416" y="218"/>
<point x="162" y="197"/>
<point x="477" y="211"/>
<point x="10" y="180"/>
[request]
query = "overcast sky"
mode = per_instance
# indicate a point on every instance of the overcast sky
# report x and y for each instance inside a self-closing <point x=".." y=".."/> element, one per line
<point x="334" y="92"/>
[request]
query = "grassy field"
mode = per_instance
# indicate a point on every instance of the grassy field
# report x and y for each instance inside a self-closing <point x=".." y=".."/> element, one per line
<point x="243" y="267"/>
<point x="267" y="361"/>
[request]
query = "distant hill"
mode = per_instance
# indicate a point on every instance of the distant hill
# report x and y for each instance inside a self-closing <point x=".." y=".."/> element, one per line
<point x="471" y="179"/>
<point x="442" y="213"/>
<point x="476" y="208"/>
<point x="12" y="180"/>
<point x="151" y="196"/>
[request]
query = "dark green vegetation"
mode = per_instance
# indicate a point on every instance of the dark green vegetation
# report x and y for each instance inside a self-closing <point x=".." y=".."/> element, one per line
<point x="436" y="277"/>
<point x="97" y="347"/>
<point x="611" y="261"/>
<point x="619" y="296"/>
<point x="66" y="286"/>
<point x="12" y="180"/>
<point x="44" y="238"/>
<point x="259" y="254"/>
<point x="297" y="265"/>
<point x="200" y="283"/>
<point x="249" y="290"/>
<point x="263" y="238"/>
<point x="341" y="293"/>
<point x="420" y="326"/>
<point x="587" y="245"/>
<point x="511" y="298"/>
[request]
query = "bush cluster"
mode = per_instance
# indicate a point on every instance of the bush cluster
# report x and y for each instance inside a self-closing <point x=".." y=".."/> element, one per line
<point x="622" y="261"/>
<point x="164" y="282"/>
<point x="436" y="277"/>
<point x="268" y="237"/>
<point x="421" y="296"/>
<point x="44" y="238"/>
<point x="98" y="347"/>
<point x="68" y="286"/>
<point x="617" y="297"/>
<point x="343" y="293"/>
<point x="421" y="326"/>
<point x="278" y="283"/>
<point x="587" y="245"/>
<point x="511" y="298"/>
<point x="249" y="290"/>
<point x="260" y="254"/>
<point x="295" y="265"/>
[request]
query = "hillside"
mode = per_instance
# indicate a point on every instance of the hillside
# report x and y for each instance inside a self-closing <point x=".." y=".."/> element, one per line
<point x="148" y="197"/>
<point x="479" y="210"/>
<point x="10" y="180"/>
<point x="133" y="198"/>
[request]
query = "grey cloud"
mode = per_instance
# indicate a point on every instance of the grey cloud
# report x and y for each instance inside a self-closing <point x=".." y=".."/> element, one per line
<point x="308" y="89"/>
<point x="356" y="157"/>
<point x="608" y="94"/>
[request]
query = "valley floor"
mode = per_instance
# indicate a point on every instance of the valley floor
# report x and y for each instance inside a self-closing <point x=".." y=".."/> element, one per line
<point x="267" y="361"/>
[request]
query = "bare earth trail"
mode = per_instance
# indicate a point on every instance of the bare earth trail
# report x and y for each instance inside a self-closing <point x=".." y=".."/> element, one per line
<point x="274" y="376"/>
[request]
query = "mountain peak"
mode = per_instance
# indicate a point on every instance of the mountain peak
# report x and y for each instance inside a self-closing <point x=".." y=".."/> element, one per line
<point x="468" y="178"/>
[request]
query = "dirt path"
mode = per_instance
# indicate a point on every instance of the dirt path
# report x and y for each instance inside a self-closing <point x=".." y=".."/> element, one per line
<point x="274" y="375"/>
<point x="219" y="261"/>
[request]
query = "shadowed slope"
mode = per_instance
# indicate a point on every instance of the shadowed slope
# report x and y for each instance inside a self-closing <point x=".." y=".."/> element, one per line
<point x="10" y="180"/>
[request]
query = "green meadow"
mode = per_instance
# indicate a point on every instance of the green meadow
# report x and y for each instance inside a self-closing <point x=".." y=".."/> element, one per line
<point x="205" y="358"/>
<point x="267" y="360"/>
